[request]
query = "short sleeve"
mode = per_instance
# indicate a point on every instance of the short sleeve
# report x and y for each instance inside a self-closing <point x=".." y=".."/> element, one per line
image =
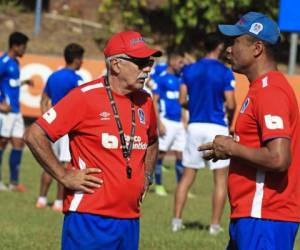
<point x="273" y="112"/>
<point x="2" y="68"/>
<point x="229" y="80"/>
<point x="65" y="117"/>
<point x="152" y="131"/>
<point x="184" y="75"/>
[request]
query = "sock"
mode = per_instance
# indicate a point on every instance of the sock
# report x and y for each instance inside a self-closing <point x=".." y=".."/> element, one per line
<point x="158" y="172"/>
<point x="43" y="200"/>
<point x="14" y="165"/>
<point x="179" y="170"/>
<point x="1" y="153"/>
<point x="58" y="203"/>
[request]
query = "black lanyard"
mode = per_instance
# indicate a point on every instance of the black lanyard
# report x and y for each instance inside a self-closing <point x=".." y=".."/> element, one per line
<point x="126" y="150"/>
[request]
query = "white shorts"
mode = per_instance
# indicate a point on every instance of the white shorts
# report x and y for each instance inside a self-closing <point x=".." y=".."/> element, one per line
<point x="11" y="125"/>
<point x="61" y="149"/>
<point x="175" y="136"/>
<point x="200" y="133"/>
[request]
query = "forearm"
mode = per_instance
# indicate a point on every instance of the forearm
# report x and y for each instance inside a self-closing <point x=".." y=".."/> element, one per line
<point x="260" y="158"/>
<point x="150" y="158"/>
<point x="40" y="146"/>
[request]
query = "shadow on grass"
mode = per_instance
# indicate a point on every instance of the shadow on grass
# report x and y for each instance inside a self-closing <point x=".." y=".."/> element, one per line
<point x="196" y="225"/>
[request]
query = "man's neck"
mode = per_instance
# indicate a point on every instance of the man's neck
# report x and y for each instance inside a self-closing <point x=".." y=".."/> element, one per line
<point x="12" y="54"/>
<point x="212" y="55"/>
<point x="260" y="69"/>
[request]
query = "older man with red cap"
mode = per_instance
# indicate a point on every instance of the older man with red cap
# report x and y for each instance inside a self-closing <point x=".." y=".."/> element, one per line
<point x="113" y="142"/>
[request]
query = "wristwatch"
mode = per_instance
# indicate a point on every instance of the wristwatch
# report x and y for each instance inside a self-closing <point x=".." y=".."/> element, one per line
<point x="149" y="178"/>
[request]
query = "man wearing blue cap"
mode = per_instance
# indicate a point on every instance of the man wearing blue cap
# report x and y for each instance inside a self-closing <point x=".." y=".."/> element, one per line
<point x="264" y="173"/>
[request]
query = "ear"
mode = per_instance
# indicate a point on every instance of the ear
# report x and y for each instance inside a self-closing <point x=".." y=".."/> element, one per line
<point x="115" y="65"/>
<point x="258" y="48"/>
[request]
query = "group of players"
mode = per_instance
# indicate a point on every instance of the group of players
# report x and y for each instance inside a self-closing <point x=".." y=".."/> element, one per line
<point x="208" y="108"/>
<point x="12" y="126"/>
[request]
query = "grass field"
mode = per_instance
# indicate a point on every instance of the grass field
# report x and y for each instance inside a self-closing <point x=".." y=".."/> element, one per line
<point x="24" y="227"/>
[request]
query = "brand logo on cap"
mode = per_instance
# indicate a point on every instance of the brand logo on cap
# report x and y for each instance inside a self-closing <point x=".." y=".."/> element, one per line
<point x="241" y="21"/>
<point x="256" y="28"/>
<point x="135" y="41"/>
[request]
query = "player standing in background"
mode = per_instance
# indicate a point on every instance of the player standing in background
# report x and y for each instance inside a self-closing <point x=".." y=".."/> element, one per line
<point x="111" y="124"/>
<point x="59" y="84"/>
<point x="209" y="85"/>
<point x="11" y="122"/>
<point x="169" y="117"/>
<point x="264" y="173"/>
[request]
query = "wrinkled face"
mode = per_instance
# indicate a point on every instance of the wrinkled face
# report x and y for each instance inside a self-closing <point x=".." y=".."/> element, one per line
<point x="19" y="49"/>
<point x="241" y="53"/>
<point x="176" y="63"/>
<point x="134" y="71"/>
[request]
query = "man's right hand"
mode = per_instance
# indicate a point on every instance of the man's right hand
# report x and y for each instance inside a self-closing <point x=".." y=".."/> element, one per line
<point x="82" y="180"/>
<point x="5" y="107"/>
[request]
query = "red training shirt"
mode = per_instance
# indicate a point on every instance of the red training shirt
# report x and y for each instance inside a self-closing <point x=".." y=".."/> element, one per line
<point x="270" y="110"/>
<point x="86" y="115"/>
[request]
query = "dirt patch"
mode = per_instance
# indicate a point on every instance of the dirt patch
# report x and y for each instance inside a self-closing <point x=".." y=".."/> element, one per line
<point x="54" y="35"/>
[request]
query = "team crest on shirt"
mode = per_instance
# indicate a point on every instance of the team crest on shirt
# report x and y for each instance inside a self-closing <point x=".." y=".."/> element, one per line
<point x="141" y="115"/>
<point x="245" y="105"/>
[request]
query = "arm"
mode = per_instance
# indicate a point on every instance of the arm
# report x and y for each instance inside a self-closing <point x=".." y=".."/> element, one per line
<point x="40" y="146"/>
<point x="150" y="158"/>
<point x="161" y="126"/>
<point x="45" y="103"/>
<point x="275" y="156"/>
<point x="230" y="105"/>
<point x="183" y="96"/>
<point x="150" y="163"/>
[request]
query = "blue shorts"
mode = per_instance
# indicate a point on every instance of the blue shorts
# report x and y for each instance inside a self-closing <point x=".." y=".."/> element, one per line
<point x="91" y="232"/>
<point x="259" y="234"/>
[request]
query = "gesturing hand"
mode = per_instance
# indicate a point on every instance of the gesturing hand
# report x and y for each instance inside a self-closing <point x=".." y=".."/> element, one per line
<point x="82" y="180"/>
<point x="219" y="149"/>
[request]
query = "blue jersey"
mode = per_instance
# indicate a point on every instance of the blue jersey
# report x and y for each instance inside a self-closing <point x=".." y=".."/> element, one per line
<point x="206" y="81"/>
<point x="167" y="87"/>
<point x="10" y="82"/>
<point x="60" y="83"/>
<point x="157" y="70"/>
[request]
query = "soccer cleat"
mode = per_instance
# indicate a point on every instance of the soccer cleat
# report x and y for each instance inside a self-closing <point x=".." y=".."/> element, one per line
<point x="57" y="208"/>
<point x="39" y="204"/>
<point x="160" y="190"/>
<point x="17" y="188"/>
<point x="3" y="187"/>
<point x="215" y="229"/>
<point x="177" y="225"/>
<point x="191" y="195"/>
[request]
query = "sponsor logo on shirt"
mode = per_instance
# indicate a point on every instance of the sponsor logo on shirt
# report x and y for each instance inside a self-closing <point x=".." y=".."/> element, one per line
<point x="141" y="115"/>
<point x="273" y="122"/>
<point x="50" y="115"/>
<point x="111" y="142"/>
<point x="104" y="116"/>
<point x="245" y="105"/>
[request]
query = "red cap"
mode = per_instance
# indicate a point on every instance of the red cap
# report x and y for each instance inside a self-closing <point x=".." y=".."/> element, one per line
<point x="130" y="43"/>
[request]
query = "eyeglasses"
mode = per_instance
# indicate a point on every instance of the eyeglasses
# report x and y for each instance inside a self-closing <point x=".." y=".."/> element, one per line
<point x="140" y="62"/>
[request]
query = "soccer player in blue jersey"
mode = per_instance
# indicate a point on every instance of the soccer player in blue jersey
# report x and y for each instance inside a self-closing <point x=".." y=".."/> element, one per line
<point x="169" y="117"/>
<point x="11" y="120"/>
<point x="60" y="83"/>
<point x="209" y="85"/>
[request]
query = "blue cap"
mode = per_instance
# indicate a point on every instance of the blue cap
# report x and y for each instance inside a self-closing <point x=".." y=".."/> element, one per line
<point x="254" y="24"/>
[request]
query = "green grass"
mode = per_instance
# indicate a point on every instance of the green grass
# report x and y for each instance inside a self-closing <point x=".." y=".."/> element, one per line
<point x="24" y="227"/>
